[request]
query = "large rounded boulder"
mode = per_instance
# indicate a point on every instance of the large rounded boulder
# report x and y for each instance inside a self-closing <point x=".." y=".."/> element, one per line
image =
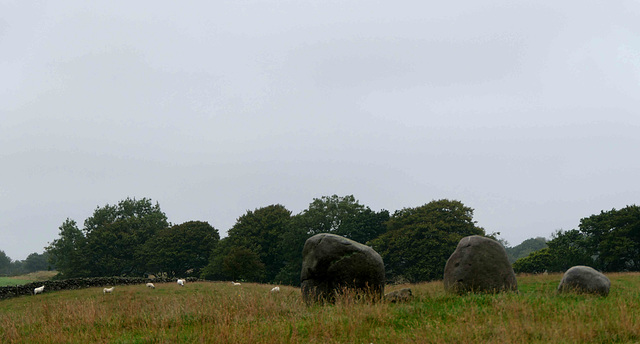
<point x="332" y="264"/>
<point x="479" y="264"/>
<point x="584" y="279"/>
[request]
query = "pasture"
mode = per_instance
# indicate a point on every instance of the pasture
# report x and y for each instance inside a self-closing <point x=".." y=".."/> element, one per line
<point x="28" y="278"/>
<point x="217" y="312"/>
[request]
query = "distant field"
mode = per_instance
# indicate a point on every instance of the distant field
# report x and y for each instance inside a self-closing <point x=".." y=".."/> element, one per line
<point x="28" y="278"/>
<point x="216" y="312"/>
<point x="5" y="281"/>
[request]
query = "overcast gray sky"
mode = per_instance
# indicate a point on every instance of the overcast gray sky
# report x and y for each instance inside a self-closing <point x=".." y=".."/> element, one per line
<point x="526" y="111"/>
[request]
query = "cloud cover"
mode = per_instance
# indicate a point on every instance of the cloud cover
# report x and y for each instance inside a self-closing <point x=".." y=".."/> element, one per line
<point x="526" y="112"/>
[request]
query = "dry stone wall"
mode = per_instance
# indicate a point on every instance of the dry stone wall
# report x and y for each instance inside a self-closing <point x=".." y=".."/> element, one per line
<point x="79" y="283"/>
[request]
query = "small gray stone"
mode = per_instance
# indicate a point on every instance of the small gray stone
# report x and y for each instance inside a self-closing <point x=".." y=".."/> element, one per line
<point x="402" y="295"/>
<point x="479" y="264"/>
<point x="584" y="279"/>
<point x="331" y="263"/>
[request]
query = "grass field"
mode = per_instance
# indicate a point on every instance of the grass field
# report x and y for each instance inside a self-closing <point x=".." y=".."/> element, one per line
<point x="216" y="312"/>
<point x="28" y="278"/>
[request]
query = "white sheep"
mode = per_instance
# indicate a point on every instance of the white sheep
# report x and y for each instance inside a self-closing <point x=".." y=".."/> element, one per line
<point x="107" y="290"/>
<point x="150" y="285"/>
<point x="38" y="290"/>
<point x="235" y="284"/>
<point x="275" y="289"/>
<point x="181" y="282"/>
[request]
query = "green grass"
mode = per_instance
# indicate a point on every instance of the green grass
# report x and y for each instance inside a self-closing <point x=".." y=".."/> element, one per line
<point x="28" y="278"/>
<point x="216" y="312"/>
<point x="5" y="281"/>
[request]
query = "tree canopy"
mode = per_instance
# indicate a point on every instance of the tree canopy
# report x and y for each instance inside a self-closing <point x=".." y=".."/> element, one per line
<point x="111" y="242"/>
<point x="261" y="231"/>
<point x="419" y="240"/>
<point x="565" y="249"/>
<point x="5" y="263"/>
<point x="69" y="252"/>
<point x="36" y="262"/>
<point x="181" y="250"/>
<point x="116" y="236"/>
<point x="613" y="238"/>
<point x="134" y="238"/>
<point x="609" y="241"/>
<point x="343" y="216"/>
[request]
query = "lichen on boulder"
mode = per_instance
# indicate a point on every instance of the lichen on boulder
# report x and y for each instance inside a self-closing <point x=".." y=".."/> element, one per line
<point x="480" y="265"/>
<point x="332" y="264"/>
<point x="584" y="279"/>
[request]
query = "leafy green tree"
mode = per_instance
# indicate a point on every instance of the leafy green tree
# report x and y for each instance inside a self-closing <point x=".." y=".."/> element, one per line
<point x="17" y="268"/>
<point x="419" y="240"/>
<point x="365" y="225"/>
<point x="5" y="263"/>
<point x="213" y="270"/>
<point x="116" y="236"/>
<point x="609" y="241"/>
<point x="37" y="262"/>
<point x="69" y="252"/>
<point x="181" y="250"/>
<point x="242" y="264"/>
<point x="565" y="249"/>
<point x="261" y="231"/>
<point x="613" y="238"/>
<point x="343" y="216"/>
<point x="234" y="263"/>
<point x="328" y="213"/>
<point x="291" y="247"/>
<point x="568" y="249"/>
<point x="535" y="262"/>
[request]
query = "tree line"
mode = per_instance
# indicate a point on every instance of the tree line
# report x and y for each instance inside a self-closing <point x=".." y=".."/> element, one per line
<point x="34" y="262"/>
<point x="134" y="238"/>
<point x="609" y="242"/>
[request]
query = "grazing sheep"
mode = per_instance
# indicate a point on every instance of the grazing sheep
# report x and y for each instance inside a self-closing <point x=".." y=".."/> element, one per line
<point x="150" y="285"/>
<point x="234" y="283"/>
<point x="107" y="290"/>
<point x="181" y="282"/>
<point x="38" y="290"/>
<point x="275" y="289"/>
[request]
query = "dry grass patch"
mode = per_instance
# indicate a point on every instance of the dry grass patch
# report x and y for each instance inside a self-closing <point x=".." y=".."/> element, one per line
<point x="38" y="276"/>
<point x="220" y="313"/>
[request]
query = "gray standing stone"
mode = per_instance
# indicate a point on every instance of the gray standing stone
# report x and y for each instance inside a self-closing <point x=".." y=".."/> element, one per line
<point x="402" y="295"/>
<point x="331" y="263"/>
<point x="584" y="279"/>
<point x="479" y="264"/>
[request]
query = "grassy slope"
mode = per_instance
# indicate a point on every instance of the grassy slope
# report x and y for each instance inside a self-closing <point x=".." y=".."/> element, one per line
<point x="220" y="313"/>
<point x="28" y="278"/>
<point x="5" y="281"/>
